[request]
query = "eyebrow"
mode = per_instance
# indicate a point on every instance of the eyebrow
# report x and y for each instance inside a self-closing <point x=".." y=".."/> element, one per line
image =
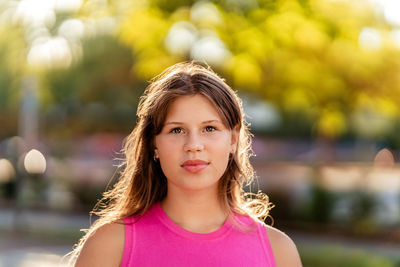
<point x="181" y="123"/>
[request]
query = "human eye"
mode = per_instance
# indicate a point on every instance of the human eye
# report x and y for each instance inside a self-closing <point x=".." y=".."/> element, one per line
<point x="210" y="129"/>
<point x="176" y="130"/>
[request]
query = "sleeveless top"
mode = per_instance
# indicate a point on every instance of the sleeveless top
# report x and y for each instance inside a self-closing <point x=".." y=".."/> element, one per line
<point x="155" y="240"/>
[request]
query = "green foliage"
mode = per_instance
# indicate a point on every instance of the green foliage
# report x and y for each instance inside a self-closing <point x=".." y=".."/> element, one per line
<point x="87" y="196"/>
<point x="96" y="94"/>
<point x="362" y="205"/>
<point x="8" y="190"/>
<point x="12" y="65"/>
<point x="327" y="256"/>
<point x="307" y="57"/>
<point x="321" y="204"/>
<point x="12" y="46"/>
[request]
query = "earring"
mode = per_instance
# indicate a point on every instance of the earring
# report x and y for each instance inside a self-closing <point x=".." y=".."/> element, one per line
<point x="155" y="157"/>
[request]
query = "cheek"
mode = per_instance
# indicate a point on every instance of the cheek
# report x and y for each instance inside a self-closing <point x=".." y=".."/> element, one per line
<point x="165" y="146"/>
<point x="169" y="155"/>
<point x="168" y="164"/>
<point x="220" y="151"/>
<point x="221" y="145"/>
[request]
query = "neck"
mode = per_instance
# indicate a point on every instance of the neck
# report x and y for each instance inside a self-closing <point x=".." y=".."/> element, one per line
<point x="195" y="211"/>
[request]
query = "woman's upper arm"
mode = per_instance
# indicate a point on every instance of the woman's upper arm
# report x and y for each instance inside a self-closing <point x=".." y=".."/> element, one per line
<point x="285" y="251"/>
<point x="104" y="248"/>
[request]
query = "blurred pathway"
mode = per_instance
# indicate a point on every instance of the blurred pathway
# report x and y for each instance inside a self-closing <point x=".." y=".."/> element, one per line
<point x="53" y="235"/>
<point x="34" y="256"/>
<point x="43" y="220"/>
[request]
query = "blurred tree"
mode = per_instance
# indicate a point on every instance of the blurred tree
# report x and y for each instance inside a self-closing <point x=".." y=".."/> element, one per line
<point x="84" y="73"/>
<point x="12" y="68"/>
<point x="95" y="94"/>
<point x="331" y="67"/>
<point x="332" y="63"/>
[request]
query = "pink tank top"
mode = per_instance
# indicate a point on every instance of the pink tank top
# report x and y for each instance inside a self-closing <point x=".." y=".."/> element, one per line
<point x="155" y="240"/>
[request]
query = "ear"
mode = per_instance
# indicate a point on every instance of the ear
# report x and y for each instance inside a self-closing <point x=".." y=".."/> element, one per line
<point x="234" y="138"/>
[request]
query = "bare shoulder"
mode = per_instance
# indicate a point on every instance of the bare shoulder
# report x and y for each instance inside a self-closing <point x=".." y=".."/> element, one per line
<point x="285" y="251"/>
<point x="104" y="247"/>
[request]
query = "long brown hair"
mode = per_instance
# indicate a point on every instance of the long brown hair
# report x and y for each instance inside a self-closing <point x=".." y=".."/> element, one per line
<point x="142" y="182"/>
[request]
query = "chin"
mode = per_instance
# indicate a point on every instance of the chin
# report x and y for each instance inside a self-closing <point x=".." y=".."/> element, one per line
<point x="197" y="185"/>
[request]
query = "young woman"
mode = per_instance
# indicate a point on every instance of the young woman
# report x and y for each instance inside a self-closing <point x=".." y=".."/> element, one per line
<point x="179" y="200"/>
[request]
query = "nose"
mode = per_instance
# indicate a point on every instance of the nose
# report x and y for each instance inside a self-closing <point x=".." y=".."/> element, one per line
<point x="193" y="143"/>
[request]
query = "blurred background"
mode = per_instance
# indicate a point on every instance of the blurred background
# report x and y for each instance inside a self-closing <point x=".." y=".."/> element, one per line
<point x="320" y="81"/>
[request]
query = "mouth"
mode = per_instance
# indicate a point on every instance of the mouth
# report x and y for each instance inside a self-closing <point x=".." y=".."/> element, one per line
<point x="194" y="166"/>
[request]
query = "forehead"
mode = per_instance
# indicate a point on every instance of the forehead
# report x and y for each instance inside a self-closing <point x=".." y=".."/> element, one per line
<point x="192" y="108"/>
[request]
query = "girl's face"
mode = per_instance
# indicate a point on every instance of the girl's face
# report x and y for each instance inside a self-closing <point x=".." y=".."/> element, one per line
<point x="194" y="144"/>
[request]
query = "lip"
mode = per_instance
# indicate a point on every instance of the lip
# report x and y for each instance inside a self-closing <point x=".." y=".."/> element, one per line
<point x="194" y="166"/>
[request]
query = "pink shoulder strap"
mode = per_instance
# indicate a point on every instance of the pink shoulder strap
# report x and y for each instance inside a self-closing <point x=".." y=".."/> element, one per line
<point x="129" y="241"/>
<point x="266" y="243"/>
